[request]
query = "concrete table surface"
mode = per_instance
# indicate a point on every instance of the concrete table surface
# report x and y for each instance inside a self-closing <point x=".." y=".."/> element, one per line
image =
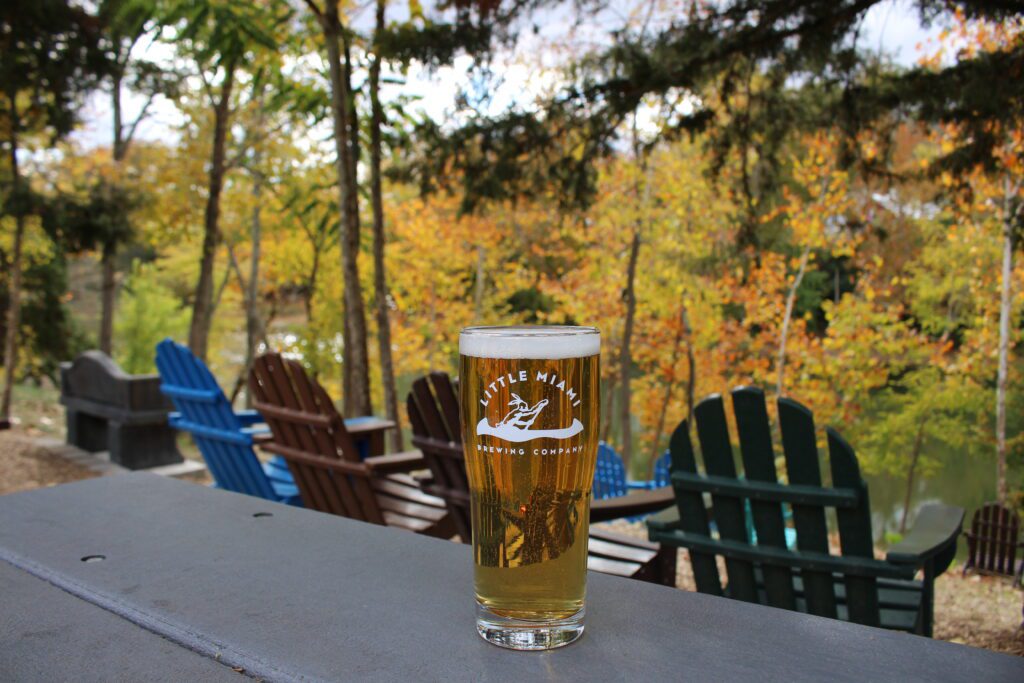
<point x="197" y="582"/>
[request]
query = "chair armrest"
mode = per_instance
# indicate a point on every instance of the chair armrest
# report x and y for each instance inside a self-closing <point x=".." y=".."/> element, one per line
<point x="396" y="462"/>
<point x="259" y="436"/>
<point x="666" y="520"/>
<point x="632" y="505"/>
<point x="249" y="418"/>
<point x="423" y="478"/>
<point x="935" y="531"/>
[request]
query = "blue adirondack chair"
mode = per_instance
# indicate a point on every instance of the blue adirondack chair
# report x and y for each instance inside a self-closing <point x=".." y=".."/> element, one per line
<point x="224" y="437"/>
<point x="609" y="474"/>
<point x="661" y="473"/>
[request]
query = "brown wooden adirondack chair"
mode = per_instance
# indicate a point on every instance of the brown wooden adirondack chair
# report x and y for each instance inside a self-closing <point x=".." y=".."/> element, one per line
<point x="993" y="541"/>
<point x="310" y="435"/>
<point x="434" y="414"/>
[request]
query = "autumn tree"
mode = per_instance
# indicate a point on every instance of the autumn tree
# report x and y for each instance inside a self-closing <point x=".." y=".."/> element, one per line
<point x="981" y="160"/>
<point x="815" y="213"/>
<point x="381" y="297"/>
<point x="126" y="24"/>
<point x="337" y="38"/>
<point x="219" y="39"/>
<point x="50" y="59"/>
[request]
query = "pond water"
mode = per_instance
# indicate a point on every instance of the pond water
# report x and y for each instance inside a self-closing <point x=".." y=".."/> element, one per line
<point x="966" y="479"/>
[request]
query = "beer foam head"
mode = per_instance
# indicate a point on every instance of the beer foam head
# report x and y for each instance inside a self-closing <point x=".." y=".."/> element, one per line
<point x="541" y="342"/>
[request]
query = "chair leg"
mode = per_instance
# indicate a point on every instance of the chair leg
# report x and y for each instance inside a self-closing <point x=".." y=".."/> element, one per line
<point x="927" y="614"/>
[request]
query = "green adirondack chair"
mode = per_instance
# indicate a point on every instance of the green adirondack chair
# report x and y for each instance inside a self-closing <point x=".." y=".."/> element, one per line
<point x="895" y="593"/>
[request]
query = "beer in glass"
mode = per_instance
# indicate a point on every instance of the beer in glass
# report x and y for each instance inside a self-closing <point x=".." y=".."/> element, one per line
<point x="530" y="407"/>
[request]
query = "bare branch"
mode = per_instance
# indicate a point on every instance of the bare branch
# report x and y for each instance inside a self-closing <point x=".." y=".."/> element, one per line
<point x="315" y="10"/>
<point x="206" y="86"/>
<point x="138" y="119"/>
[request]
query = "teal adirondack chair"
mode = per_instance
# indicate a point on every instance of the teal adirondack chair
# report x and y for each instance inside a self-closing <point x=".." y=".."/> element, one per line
<point x="853" y="586"/>
<point x="224" y="436"/>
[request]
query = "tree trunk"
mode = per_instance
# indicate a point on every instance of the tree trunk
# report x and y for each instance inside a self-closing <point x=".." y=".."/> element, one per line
<point x="107" y="298"/>
<point x="202" y="307"/>
<point x="784" y="334"/>
<point x="479" y="285"/>
<point x="253" y="325"/>
<point x="14" y="284"/>
<point x="13" y="319"/>
<point x="380" y="286"/>
<point x="251" y="289"/>
<point x="115" y="102"/>
<point x="691" y="363"/>
<point x="910" y="473"/>
<point x="669" y="387"/>
<point x="625" y="355"/>
<point x="355" y="364"/>
<point x="314" y="275"/>
<point x="1005" y="310"/>
<point x="109" y="255"/>
<point x="606" y="418"/>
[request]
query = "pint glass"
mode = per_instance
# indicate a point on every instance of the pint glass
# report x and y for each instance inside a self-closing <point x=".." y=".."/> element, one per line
<point x="530" y="412"/>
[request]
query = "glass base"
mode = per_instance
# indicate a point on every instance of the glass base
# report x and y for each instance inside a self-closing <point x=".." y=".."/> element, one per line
<point x="517" y="634"/>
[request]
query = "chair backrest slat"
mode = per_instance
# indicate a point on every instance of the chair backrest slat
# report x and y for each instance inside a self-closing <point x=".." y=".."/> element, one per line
<point x="693" y="516"/>
<point x="1011" y="534"/>
<point x="662" y="471"/>
<point x="985" y="536"/>
<point x="215" y="428"/>
<point x="802" y="468"/>
<point x="434" y="414"/>
<point x="444" y="392"/>
<point x="609" y="474"/>
<point x="759" y="465"/>
<point x="312" y="427"/>
<point x="994" y="539"/>
<point x="448" y="400"/>
<point x="729" y="511"/>
<point x="855" y="536"/>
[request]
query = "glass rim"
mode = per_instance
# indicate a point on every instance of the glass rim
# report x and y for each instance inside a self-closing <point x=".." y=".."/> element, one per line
<point x="528" y="331"/>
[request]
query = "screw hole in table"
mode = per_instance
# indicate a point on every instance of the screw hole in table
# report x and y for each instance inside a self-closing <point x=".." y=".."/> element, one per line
<point x="263" y="514"/>
<point x="94" y="558"/>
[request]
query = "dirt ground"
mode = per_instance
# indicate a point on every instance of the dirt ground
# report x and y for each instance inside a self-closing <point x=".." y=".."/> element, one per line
<point x="981" y="611"/>
<point x="24" y="465"/>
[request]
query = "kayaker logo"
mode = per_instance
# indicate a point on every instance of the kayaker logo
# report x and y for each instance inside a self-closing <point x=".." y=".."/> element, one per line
<point x="515" y="426"/>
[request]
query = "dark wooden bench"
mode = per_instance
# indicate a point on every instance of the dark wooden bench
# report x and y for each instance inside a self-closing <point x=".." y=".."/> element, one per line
<point x="324" y="461"/>
<point x="434" y="413"/>
<point x="853" y="587"/>
<point x="993" y="542"/>
<point x="110" y="410"/>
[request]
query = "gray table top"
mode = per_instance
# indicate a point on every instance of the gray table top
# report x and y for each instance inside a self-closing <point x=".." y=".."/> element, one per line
<point x="193" y="583"/>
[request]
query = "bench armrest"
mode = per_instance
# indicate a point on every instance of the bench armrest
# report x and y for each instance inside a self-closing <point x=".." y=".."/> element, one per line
<point x="933" y="537"/>
<point x="632" y="505"/>
<point x="396" y="462"/>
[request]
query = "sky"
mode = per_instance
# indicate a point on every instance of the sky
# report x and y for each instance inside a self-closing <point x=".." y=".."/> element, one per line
<point x="527" y="73"/>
